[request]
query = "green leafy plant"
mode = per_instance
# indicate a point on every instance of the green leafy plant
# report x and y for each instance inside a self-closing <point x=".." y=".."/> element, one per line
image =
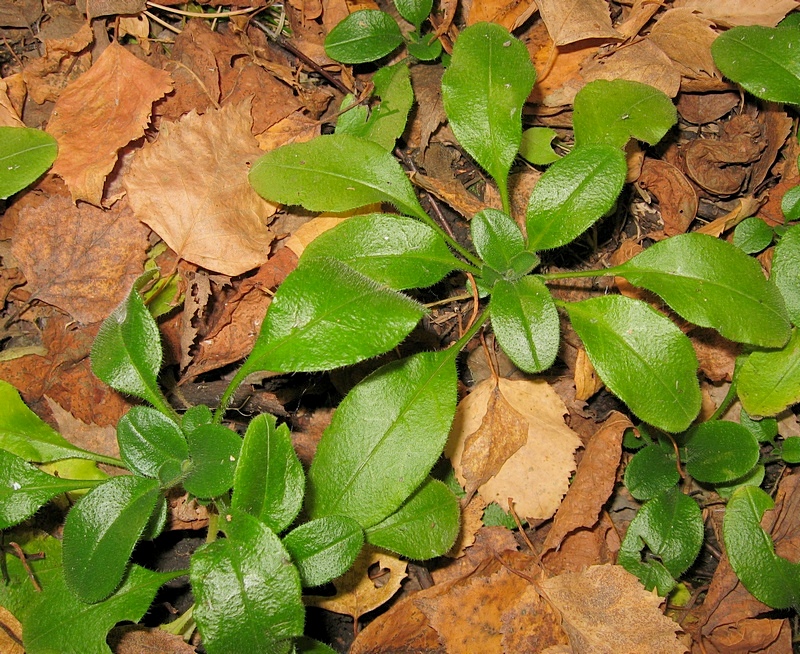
<point x="25" y="154"/>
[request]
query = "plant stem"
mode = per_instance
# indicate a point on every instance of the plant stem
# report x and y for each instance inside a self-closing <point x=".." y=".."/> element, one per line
<point x="604" y="272"/>
<point x="726" y="403"/>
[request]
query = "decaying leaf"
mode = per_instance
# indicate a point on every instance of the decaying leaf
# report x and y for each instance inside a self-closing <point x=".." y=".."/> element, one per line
<point x="605" y="610"/>
<point x="686" y="39"/>
<point x="537" y="474"/>
<point x="356" y="592"/>
<point x="676" y="196"/>
<point x="741" y="12"/>
<point x="569" y="21"/>
<point x="103" y="110"/>
<point x="81" y="259"/>
<point x="191" y="187"/>
<point x="508" y="13"/>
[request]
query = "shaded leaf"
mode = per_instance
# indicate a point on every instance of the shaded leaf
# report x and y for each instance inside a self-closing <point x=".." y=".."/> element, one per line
<point x="25" y="154"/>
<point x="405" y="406"/>
<point x="148" y="439"/>
<point x="214" y="451"/>
<point x="497" y="238"/>
<point x="325" y="548"/>
<point x="786" y="270"/>
<point x="769" y="381"/>
<point x="414" y="11"/>
<point x="642" y="357"/>
<point x="573" y="194"/>
<point x="652" y="471"/>
<point x="720" y="451"/>
<point x="536" y="146"/>
<point x="336" y="172"/>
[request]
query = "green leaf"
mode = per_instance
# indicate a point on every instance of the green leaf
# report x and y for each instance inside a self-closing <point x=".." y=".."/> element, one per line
<point x="786" y="271"/>
<point x="642" y="357"/>
<point x="752" y="235"/>
<point x="25" y="154"/>
<point x="525" y="322"/>
<point x="24" y="488"/>
<point x="497" y="238"/>
<point x="483" y="89"/>
<point x="387" y="121"/>
<point x="316" y="312"/>
<point x="670" y="526"/>
<point x="713" y="284"/>
<point x="269" y="482"/>
<point x="365" y="35"/>
<point x="753" y="478"/>
<point x="147" y="439"/>
<point x="414" y="11"/>
<point x="25" y="434"/>
<point x="769" y="381"/>
<point x="652" y="471"/>
<point x="720" y="451"/>
<point x="306" y="645"/>
<point x="126" y="353"/>
<point x="337" y="172"/>
<point x="214" y="451"/>
<point x="765" y="430"/>
<point x="425" y="526"/>
<point x="790" y="450"/>
<point x="325" y="548"/>
<point x="394" y="250"/>
<point x="195" y="417"/>
<point x="751" y="552"/>
<point x="764" y="60"/>
<point x="406" y="407"/>
<point x="353" y="118"/>
<point x="101" y="531"/>
<point x="536" y="146"/>
<point x="425" y="47"/>
<point x="790" y="203"/>
<point x="573" y="194"/>
<point x="613" y="112"/>
<point x="54" y="620"/>
<point x="247" y="592"/>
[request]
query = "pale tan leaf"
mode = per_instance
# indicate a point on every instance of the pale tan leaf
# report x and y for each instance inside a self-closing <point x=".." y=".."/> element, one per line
<point x="569" y="21"/>
<point x="307" y="232"/>
<point x="103" y="110"/>
<point x="741" y="12"/>
<point x="508" y="13"/>
<point x="356" y="592"/>
<point x="11" y="636"/>
<point x="81" y="259"/>
<point x="605" y="610"/>
<point x="9" y="116"/>
<point x="191" y="187"/>
<point x="686" y="38"/>
<point x="587" y="381"/>
<point x="501" y="433"/>
<point x="295" y="128"/>
<point x="537" y="475"/>
<point x="641" y="61"/>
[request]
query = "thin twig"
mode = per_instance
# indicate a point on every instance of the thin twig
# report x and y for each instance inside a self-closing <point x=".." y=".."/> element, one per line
<point x="23" y="559"/>
<point x="200" y="14"/>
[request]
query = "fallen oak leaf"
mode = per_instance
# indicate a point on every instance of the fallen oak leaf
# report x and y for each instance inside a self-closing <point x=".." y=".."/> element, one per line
<point x="99" y="113"/>
<point x="191" y="187"/>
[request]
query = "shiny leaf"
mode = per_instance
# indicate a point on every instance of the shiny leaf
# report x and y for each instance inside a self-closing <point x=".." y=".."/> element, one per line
<point x="147" y="439"/>
<point x="364" y="35"/>
<point x="325" y="548"/>
<point x="769" y="381"/>
<point x="25" y="155"/>
<point x="720" y="451"/>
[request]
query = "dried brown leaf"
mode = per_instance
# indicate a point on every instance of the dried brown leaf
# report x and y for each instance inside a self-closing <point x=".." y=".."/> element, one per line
<point x="191" y="187"/>
<point x="686" y="38"/>
<point x="569" y="21"/>
<point x="103" y="110"/>
<point x="703" y="108"/>
<point x="508" y="13"/>
<point x="676" y="196"/>
<point x="295" y="128"/>
<point x="80" y="259"/>
<point x="587" y="381"/>
<point x="741" y="12"/>
<point x="537" y="475"/>
<point x="605" y="610"/>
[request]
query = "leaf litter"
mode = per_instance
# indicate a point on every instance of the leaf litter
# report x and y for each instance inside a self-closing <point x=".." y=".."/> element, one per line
<point x="156" y="138"/>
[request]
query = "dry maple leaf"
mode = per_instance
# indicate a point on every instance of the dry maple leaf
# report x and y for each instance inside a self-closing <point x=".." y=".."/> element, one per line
<point x="537" y="474"/>
<point x="605" y="610"/>
<point x="356" y="592"/>
<point x="191" y="187"/>
<point x="82" y="259"/>
<point x="102" y="111"/>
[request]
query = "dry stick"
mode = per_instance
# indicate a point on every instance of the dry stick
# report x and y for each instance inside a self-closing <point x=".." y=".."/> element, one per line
<point x="200" y="14"/>
<point x="199" y="82"/>
<point x="23" y="559"/>
<point x="677" y="455"/>
<point x="521" y="530"/>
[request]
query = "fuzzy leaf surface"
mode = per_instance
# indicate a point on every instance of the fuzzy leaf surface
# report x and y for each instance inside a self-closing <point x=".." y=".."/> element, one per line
<point x="426" y="525"/>
<point x="613" y="112"/>
<point x="786" y="271"/>
<point x="405" y="406"/>
<point x="394" y="250"/>
<point x="336" y="172"/>
<point x="147" y="439"/>
<point x="269" y="482"/>
<point x="764" y="60"/>
<point x="488" y="80"/>
<point x="573" y="194"/>
<point x="24" y="489"/>
<point x="325" y="548"/>
<point x="25" y="155"/>
<point x="414" y="11"/>
<point x="642" y="357"/>
<point x="247" y="591"/>
<point x="720" y="451"/>
<point x="712" y="284"/>
<point x="101" y="531"/>
<point x="651" y="471"/>
<point x="316" y="312"/>
<point x="751" y="551"/>
<point x="497" y="238"/>
<point x="769" y="381"/>
<point x="671" y="527"/>
<point x="525" y="321"/>
<point x="214" y="451"/>
<point x="363" y="36"/>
